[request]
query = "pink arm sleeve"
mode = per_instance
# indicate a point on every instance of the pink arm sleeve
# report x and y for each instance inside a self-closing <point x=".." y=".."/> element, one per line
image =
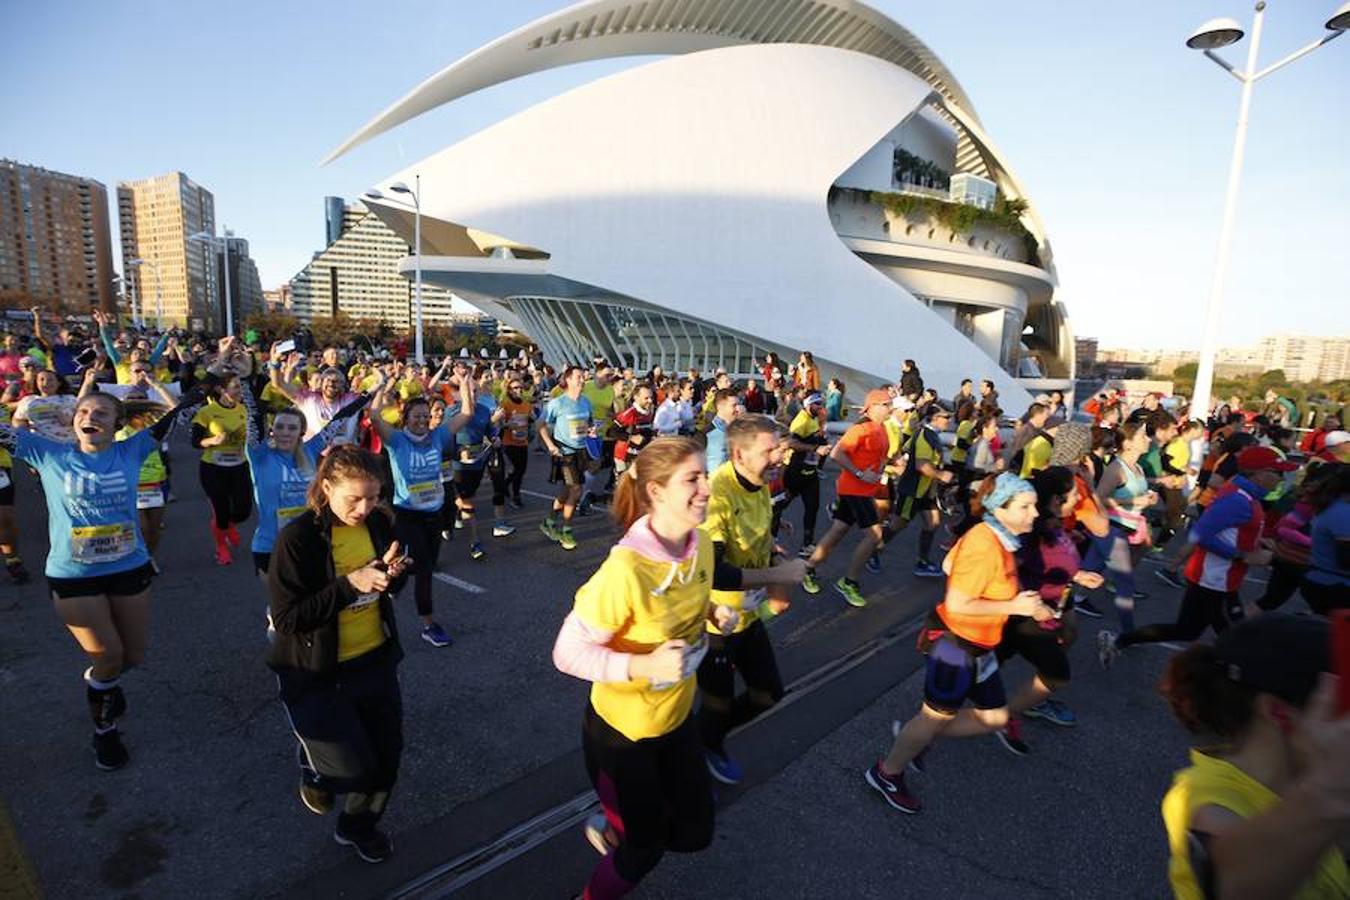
<point x="1290" y="528"/>
<point x="581" y="651"/>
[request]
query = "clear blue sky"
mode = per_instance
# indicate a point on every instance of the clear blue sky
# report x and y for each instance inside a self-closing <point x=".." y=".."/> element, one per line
<point x="1120" y="134"/>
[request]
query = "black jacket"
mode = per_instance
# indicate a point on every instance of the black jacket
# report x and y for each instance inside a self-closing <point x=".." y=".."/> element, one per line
<point x="305" y="596"/>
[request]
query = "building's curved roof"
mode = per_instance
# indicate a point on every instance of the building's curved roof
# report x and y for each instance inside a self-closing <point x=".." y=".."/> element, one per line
<point x="603" y="29"/>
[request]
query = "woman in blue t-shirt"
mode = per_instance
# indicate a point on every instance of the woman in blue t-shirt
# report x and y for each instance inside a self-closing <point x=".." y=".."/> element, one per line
<point x="98" y="567"/>
<point x="1326" y="586"/>
<point x="415" y="453"/>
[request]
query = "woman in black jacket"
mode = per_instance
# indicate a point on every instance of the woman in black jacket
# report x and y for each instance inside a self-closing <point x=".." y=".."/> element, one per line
<point x="334" y="571"/>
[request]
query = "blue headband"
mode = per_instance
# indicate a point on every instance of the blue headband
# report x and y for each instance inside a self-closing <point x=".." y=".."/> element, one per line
<point x="1006" y="487"/>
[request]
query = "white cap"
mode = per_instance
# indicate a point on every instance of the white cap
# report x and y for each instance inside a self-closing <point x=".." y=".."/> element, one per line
<point x="1336" y="438"/>
<point x="904" y="404"/>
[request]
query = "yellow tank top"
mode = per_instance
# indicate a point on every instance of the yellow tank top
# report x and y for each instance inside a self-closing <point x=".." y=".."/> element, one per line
<point x="1214" y="782"/>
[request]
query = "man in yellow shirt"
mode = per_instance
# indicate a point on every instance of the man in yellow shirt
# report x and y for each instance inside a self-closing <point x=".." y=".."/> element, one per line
<point x="745" y="577"/>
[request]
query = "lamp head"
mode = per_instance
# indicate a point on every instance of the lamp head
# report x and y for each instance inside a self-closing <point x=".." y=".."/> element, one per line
<point x="1340" y="19"/>
<point x="373" y="194"/>
<point x="1214" y="34"/>
<point x="399" y="187"/>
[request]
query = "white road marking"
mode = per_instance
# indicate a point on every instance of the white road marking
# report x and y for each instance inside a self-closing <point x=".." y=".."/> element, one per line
<point x="459" y="583"/>
<point x="537" y="494"/>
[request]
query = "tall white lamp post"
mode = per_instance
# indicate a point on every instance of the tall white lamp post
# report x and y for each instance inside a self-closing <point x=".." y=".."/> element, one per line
<point x="209" y="238"/>
<point x="1211" y="36"/>
<point x="415" y="192"/>
<point x="159" y="289"/>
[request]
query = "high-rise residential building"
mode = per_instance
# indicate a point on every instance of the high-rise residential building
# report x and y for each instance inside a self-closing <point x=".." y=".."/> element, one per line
<point x="246" y="293"/>
<point x="358" y="275"/>
<point x="1306" y="357"/>
<point x="157" y="216"/>
<point x="55" y="243"/>
<point x="278" y="299"/>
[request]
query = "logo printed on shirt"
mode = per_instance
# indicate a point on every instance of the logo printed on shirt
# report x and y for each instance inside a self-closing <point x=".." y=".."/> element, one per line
<point x="89" y="484"/>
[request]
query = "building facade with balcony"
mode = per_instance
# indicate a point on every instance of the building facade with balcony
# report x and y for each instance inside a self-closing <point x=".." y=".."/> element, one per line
<point x="55" y="241"/>
<point x="798" y="175"/>
<point x="177" y="282"/>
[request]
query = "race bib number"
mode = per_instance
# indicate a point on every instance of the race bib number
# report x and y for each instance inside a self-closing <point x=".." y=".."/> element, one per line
<point x="426" y="494"/>
<point x="447" y="471"/>
<point x="986" y="667"/>
<point x="229" y="458"/>
<point x="149" y="496"/>
<point x="471" y="453"/>
<point x="286" y="513"/>
<point x="91" y="544"/>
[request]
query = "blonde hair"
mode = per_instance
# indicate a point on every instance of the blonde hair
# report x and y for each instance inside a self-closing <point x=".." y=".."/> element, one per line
<point x="657" y="462"/>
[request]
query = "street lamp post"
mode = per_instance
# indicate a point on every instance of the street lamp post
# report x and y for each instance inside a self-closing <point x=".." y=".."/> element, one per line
<point x="416" y="193"/>
<point x="1209" y="37"/>
<point x="159" y="289"/>
<point x="209" y="238"/>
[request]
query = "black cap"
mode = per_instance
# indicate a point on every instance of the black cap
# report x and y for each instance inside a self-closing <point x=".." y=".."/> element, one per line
<point x="1277" y="653"/>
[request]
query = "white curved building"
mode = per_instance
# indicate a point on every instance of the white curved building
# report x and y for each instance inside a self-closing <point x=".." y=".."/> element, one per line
<point x="789" y="177"/>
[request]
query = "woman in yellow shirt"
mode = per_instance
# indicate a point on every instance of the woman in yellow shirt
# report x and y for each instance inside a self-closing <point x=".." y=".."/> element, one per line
<point x="219" y="430"/>
<point x="637" y="633"/>
<point x="1264" y="813"/>
<point x="333" y="574"/>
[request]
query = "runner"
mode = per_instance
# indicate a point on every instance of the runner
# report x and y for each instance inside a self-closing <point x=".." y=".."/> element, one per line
<point x="636" y="632"/>
<point x="333" y="574"/>
<point x="219" y="431"/>
<point x="98" y="568"/>
<point x="518" y="416"/>
<point x="1292" y="533"/>
<point x="415" y="452"/>
<point x="1262" y="811"/>
<point x="1123" y="492"/>
<point x="319" y="406"/>
<point x="675" y="416"/>
<point x="914" y="493"/>
<point x="478" y="452"/>
<point x="747" y="578"/>
<point x="564" y="428"/>
<point x="1047" y="562"/>
<point x="807" y="447"/>
<point x="599" y="392"/>
<point x="961" y="635"/>
<point x="1327" y="584"/>
<point x="1227" y="541"/>
<point x="861" y="454"/>
<point x="633" y="427"/>
<point x="146" y="400"/>
<point x="725" y="406"/>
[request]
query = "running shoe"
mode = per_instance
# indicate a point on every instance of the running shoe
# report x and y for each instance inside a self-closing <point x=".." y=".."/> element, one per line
<point x="436" y="636"/>
<point x="874" y="563"/>
<point x="316" y="799"/>
<point x="1107" y="651"/>
<point x="476" y="550"/>
<point x="1052" y="711"/>
<point x="549" y="528"/>
<point x="109" y="753"/>
<point x="1170" y="576"/>
<point x="925" y="569"/>
<point x="919" y="764"/>
<point x="1010" y="736"/>
<point x="371" y="844"/>
<point x="501" y="529"/>
<point x="892" y="787"/>
<point x="459" y="523"/>
<point x="566" y="539"/>
<point x="599" y="834"/>
<point x="232" y="537"/>
<point x="223" y="557"/>
<point x="516" y="503"/>
<point x="723" y="768"/>
<point x="18" y="574"/>
<point x="1086" y="607"/>
<point x="809" y="583"/>
<point x="447" y="534"/>
<point x="806" y="551"/>
<point x="850" y="592"/>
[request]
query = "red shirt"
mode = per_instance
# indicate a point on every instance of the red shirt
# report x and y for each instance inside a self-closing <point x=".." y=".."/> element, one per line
<point x="867" y="444"/>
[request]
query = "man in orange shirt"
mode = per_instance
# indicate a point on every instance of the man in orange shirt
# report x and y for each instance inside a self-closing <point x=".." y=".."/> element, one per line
<point x="861" y="454"/>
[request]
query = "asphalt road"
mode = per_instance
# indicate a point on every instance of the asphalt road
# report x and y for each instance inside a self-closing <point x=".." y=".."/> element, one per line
<point x="208" y="808"/>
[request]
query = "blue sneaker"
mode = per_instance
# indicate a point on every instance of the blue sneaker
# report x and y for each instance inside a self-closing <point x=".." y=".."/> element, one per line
<point x="436" y="636"/>
<point x="925" y="569"/>
<point x="723" y="768"/>
<point x="874" y="563"/>
<point x="1052" y="711"/>
<point x="476" y="550"/>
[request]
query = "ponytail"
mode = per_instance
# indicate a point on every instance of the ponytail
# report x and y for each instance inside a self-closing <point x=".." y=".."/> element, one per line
<point x="657" y="462"/>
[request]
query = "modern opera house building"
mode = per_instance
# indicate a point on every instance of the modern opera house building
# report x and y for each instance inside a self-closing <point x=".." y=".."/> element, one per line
<point x="791" y="174"/>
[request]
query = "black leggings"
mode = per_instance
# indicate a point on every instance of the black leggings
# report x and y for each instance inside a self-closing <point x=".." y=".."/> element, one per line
<point x="351" y="732"/>
<point x="1284" y="580"/>
<point x="1044" y="649"/>
<point x="795" y="484"/>
<point x="750" y="653"/>
<point x="419" y="536"/>
<point x="1325" y="598"/>
<point x="230" y="492"/>
<point x="1201" y="607"/>
<point x="517" y="459"/>
<point x="655" y="793"/>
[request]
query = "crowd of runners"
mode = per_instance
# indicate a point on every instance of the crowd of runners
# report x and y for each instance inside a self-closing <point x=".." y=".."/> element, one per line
<point x="359" y="465"/>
